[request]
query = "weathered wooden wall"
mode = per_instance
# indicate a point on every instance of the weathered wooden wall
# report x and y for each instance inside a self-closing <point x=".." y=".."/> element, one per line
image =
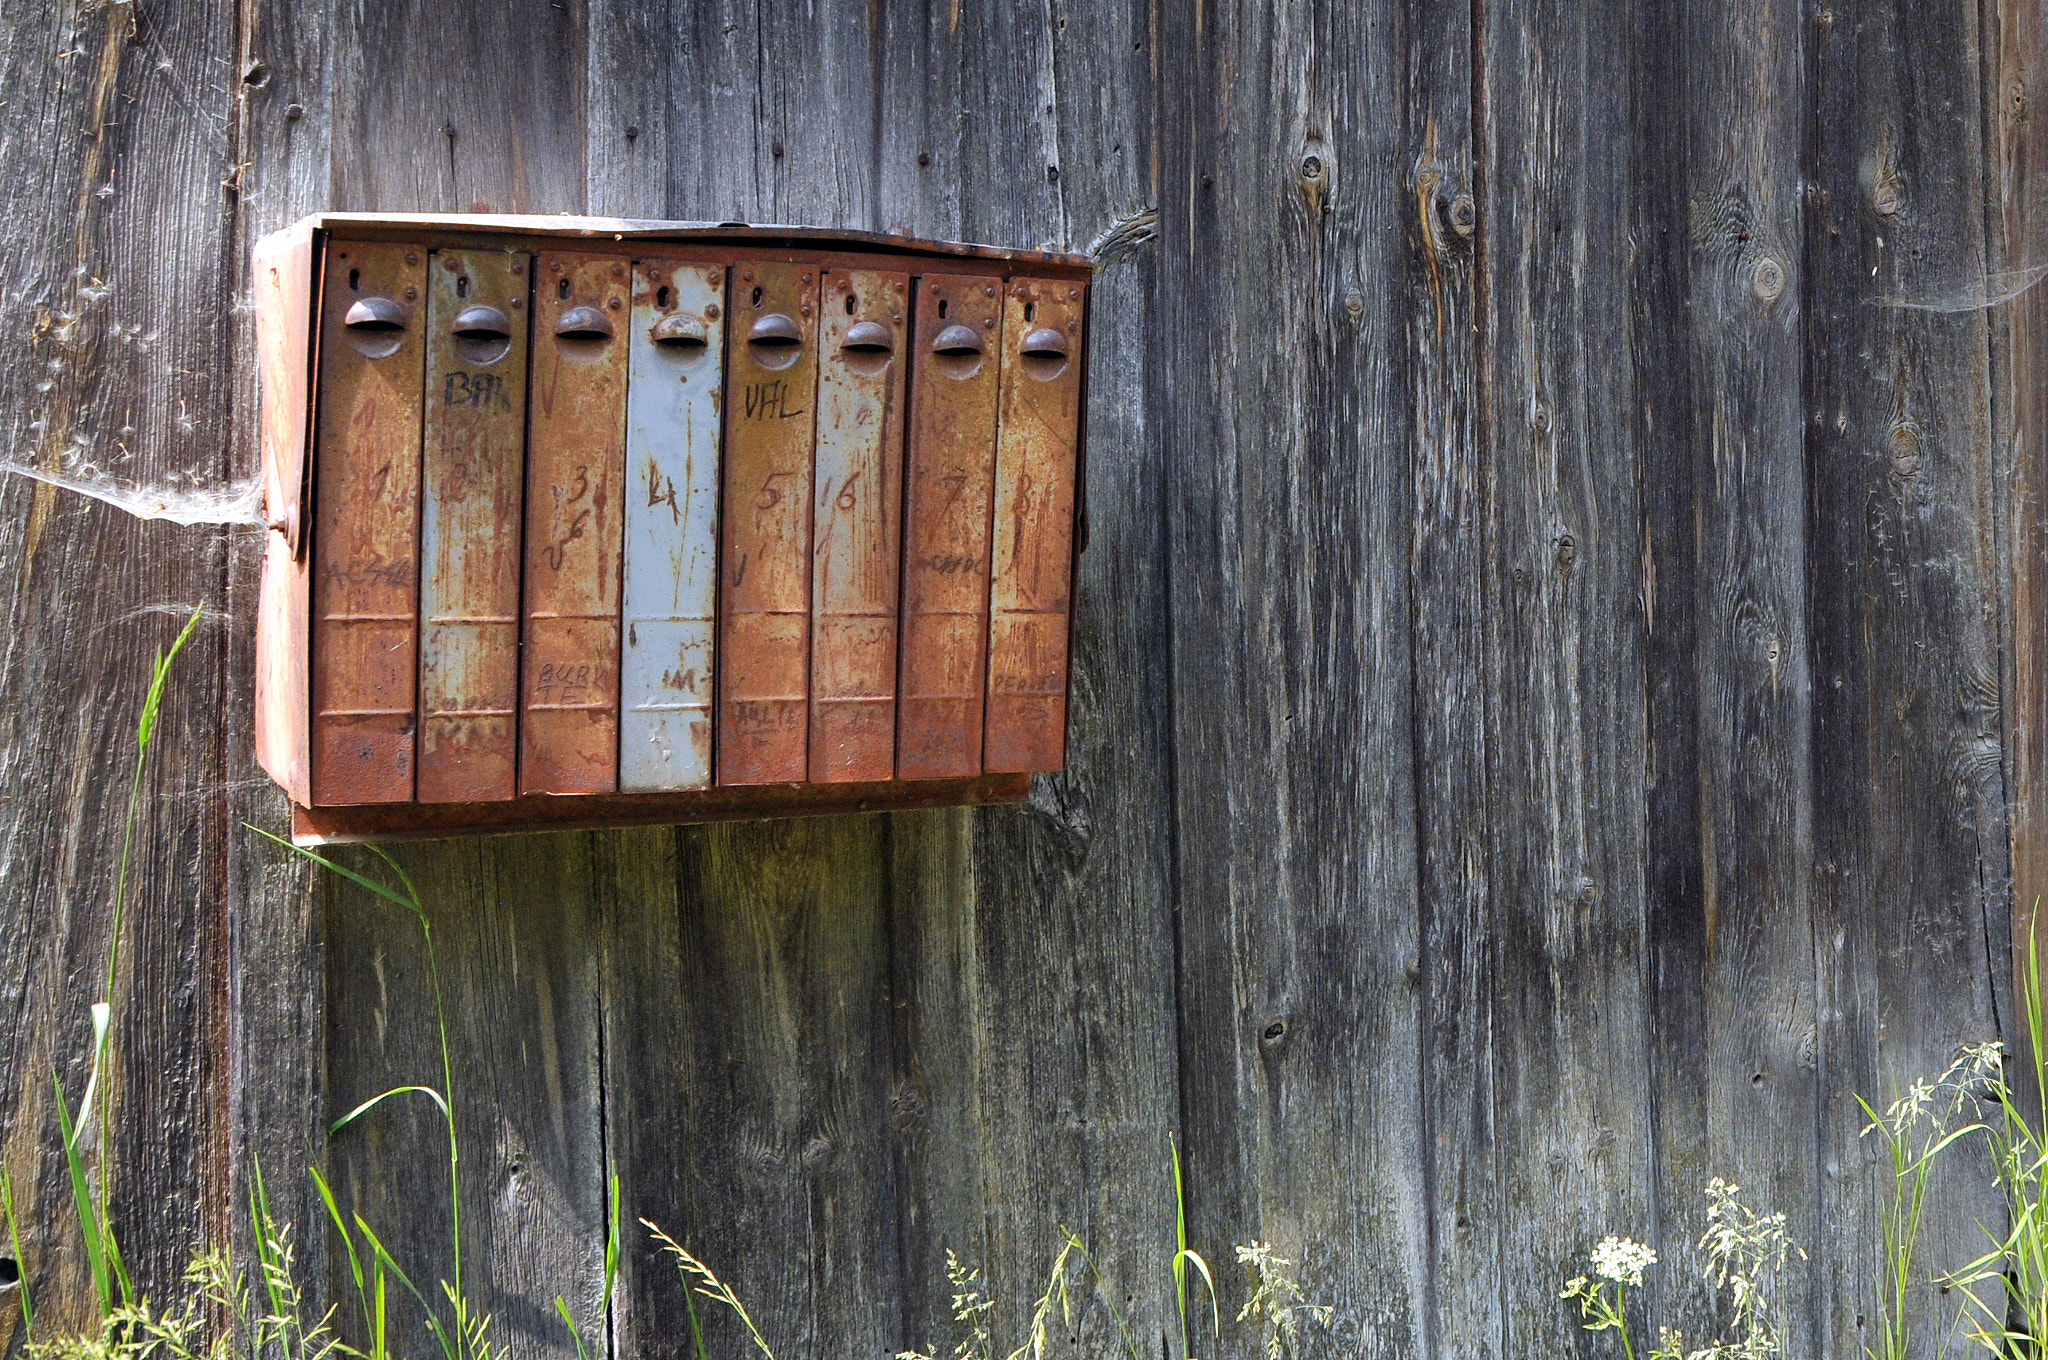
<point x="1557" y="703"/>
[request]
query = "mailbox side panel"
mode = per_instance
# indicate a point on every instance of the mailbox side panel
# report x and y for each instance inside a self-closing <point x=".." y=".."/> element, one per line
<point x="472" y="481"/>
<point x="1033" y="541"/>
<point x="569" y="712"/>
<point x="366" y="522"/>
<point x="283" y="288"/>
<point x="676" y="354"/>
<point x="764" y="643"/>
<point x="856" y="524"/>
<point x="956" y="369"/>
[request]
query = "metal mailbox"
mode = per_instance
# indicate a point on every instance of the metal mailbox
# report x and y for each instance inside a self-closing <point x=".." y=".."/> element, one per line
<point x="581" y="522"/>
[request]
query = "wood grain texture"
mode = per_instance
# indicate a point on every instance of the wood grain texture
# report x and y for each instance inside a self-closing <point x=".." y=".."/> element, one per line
<point x="1451" y="574"/>
<point x="275" y="1041"/>
<point x="534" y="1171"/>
<point x="2015" y="50"/>
<point x="1037" y="1074"/>
<point x="755" y="971"/>
<point x="1465" y="847"/>
<point x="1565" y="660"/>
<point x="1909" y="864"/>
<point x="117" y="252"/>
<point x="1293" y="756"/>
<point x="1732" y="980"/>
<point x="512" y="928"/>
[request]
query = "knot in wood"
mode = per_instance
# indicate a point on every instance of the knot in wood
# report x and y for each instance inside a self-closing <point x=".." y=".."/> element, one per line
<point x="1767" y="279"/>
<point x="1464" y="215"/>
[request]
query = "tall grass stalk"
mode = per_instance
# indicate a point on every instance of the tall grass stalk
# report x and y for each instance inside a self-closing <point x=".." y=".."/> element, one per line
<point x="465" y="1336"/>
<point x="1185" y="1256"/>
<point x="1915" y="1130"/>
<point x="95" y="1110"/>
<point x="2014" y="1318"/>
<point x="704" y="1280"/>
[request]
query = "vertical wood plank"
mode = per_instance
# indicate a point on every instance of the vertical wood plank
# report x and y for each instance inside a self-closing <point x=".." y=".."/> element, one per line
<point x="1910" y="854"/>
<point x="1572" y="1076"/>
<point x="1451" y="578"/>
<point x="2016" y="65"/>
<point x="522" y="912"/>
<point x="513" y="938"/>
<point x="1730" y="838"/>
<point x="117" y="251"/>
<point x="1034" y="945"/>
<point x="1293" y="756"/>
<point x="276" y="1040"/>
<point x="748" y="964"/>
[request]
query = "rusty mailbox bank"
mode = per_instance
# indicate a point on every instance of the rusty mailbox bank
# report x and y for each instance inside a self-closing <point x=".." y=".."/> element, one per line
<point x="581" y="522"/>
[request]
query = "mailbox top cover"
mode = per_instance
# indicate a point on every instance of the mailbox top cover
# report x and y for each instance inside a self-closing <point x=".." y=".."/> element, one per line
<point x="622" y="229"/>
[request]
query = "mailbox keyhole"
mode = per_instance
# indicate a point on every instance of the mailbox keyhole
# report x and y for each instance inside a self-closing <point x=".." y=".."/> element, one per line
<point x="661" y="297"/>
<point x="942" y="309"/>
<point x="757" y="297"/>
<point x="562" y="290"/>
<point x="851" y="303"/>
<point x="355" y="280"/>
<point x="1030" y="311"/>
<point x="462" y="287"/>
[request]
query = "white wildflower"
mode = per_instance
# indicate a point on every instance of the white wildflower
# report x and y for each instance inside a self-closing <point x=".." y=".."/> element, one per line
<point x="1622" y="1260"/>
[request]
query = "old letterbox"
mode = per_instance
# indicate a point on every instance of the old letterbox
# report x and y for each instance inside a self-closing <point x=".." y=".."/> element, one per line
<point x="580" y="522"/>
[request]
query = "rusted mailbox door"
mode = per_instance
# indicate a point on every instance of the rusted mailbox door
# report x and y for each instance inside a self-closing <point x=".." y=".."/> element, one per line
<point x="472" y="473"/>
<point x="659" y="524"/>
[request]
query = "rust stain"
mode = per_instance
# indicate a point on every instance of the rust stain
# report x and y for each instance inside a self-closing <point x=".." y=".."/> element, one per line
<point x="856" y="531"/>
<point x="472" y="471"/>
<point x="1032" y="555"/>
<point x="365" y="581"/>
<point x="764" y="633"/>
<point x="576" y="456"/>
<point x="950" y="476"/>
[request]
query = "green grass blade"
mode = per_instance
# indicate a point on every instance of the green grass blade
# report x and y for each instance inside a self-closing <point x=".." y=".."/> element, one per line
<point x="696" y="1326"/>
<point x="611" y="1249"/>
<point x="28" y="1310"/>
<point x="385" y="1262"/>
<point x="81" y="1198"/>
<point x="575" y="1332"/>
<point x="378" y="1335"/>
<point x="374" y="1101"/>
<point x="1194" y="1258"/>
<point x="360" y="880"/>
<point x="1180" y="1243"/>
<point x="709" y="1285"/>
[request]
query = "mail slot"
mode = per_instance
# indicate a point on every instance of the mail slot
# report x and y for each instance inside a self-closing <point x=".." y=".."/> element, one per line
<point x="576" y="522"/>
